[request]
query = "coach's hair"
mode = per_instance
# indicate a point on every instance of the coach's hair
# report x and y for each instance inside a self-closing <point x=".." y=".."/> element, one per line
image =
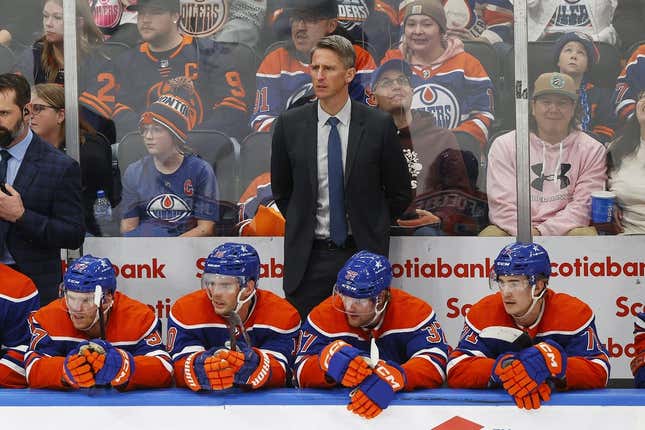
<point x="17" y="84"/>
<point x="340" y="45"/>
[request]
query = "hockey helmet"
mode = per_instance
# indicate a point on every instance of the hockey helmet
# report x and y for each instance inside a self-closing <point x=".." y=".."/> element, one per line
<point x="364" y="275"/>
<point x="528" y="259"/>
<point x="234" y="259"/>
<point x="88" y="272"/>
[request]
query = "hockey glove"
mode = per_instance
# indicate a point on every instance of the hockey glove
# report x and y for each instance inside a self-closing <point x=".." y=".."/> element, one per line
<point x="533" y="366"/>
<point x="77" y="372"/>
<point x="503" y="360"/>
<point x="113" y="367"/>
<point x="195" y="371"/>
<point x="343" y="363"/>
<point x="376" y="392"/>
<point x="638" y="370"/>
<point x="533" y="399"/>
<point x="251" y="366"/>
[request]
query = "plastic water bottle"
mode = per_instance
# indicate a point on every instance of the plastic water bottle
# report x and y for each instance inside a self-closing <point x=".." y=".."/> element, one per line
<point x="102" y="211"/>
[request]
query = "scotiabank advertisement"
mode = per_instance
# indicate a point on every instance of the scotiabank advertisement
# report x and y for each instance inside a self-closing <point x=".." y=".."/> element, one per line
<point x="450" y="273"/>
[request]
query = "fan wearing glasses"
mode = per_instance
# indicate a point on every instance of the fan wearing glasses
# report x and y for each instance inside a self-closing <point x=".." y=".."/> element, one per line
<point x="525" y="337"/>
<point x="48" y="122"/>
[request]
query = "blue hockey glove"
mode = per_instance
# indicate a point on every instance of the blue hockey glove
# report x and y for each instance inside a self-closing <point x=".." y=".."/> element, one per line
<point x="251" y="366"/>
<point x="77" y="372"/>
<point x="377" y="390"/>
<point x="503" y="360"/>
<point x="344" y="363"/>
<point x="112" y="366"/>
<point x="638" y="370"/>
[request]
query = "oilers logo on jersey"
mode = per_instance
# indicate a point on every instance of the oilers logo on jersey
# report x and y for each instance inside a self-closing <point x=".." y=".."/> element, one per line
<point x="439" y="101"/>
<point x="352" y="13"/>
<point x="202" y="18"/>
<point x="168" y="207"/>
<point x="106" y="13"/>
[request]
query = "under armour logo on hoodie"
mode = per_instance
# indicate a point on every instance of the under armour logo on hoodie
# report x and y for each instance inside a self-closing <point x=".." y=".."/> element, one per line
<point x="538" y="183"/>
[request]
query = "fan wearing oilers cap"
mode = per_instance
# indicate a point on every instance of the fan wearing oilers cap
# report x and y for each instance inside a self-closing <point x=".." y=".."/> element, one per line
<point x="370" y="337"/>
<point x="95" y="336"/>
<point x="230" y="333"/>
<point x="526" y="338"/>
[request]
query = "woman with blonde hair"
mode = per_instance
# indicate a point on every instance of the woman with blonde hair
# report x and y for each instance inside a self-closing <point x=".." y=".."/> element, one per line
<point x="48" y="122"/>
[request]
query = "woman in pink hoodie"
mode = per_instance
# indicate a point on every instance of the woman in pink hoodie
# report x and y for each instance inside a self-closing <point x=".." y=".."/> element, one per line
<point x="448" y="82"/>
<point x="567" y="165"/>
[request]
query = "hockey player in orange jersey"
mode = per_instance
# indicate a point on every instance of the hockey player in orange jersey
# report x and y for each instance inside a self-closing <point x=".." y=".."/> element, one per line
<point x="18" y="297"/>
<point x="95" y="336"/>
<point x="527" y="338"/>
<point x="230" y="333"/>
<point x="370" y="337"/>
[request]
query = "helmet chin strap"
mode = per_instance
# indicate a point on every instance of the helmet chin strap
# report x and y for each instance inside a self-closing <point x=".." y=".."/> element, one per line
<point x="241" y="302"/>
<point x="534" y="301"/>
<point x="378" y="313"/>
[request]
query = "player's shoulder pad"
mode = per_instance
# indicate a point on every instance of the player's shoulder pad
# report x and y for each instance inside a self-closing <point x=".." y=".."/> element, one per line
<point x="193" y="308"/>
<point x="15" y="286"/>
<point x="273" y="310"/>
<point x="405" y="310"/>
<point x="489" y="311"/>
<point x="565" y="313"/>
<point x="131" y="319"/>
<point x="54" y="319"/>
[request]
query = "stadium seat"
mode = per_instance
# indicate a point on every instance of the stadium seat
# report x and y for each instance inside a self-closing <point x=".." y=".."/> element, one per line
<point x="129" y="150"/>
<point x="255" y="157"/>
<point x="6" y="59"/>
<point x="221" y="152"/>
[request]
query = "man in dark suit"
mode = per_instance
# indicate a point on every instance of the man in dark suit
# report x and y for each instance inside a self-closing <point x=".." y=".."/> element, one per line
<point x="40" y="194"/>
<point x="338" y="176"/>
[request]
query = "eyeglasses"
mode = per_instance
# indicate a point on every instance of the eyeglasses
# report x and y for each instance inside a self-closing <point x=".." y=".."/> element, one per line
<point x="401" y="81"/>
<point x="38" y="108"/>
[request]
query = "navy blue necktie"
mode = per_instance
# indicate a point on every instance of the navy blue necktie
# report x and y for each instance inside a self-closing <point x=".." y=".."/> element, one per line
<point x="337" y="221"/>
<point x="4" y="159"/>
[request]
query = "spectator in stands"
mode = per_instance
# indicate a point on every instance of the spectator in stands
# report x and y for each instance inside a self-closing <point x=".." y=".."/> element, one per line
<point x="219" y="79"/>
<point x="547" y="19"/>
<point x="448" y="82"/>
<point x="259" y="214"/>
<point x="283" y="79"/>
<point x="526" y="338"/>
<point x="487" y="21"/>
<point x="371" y="24"/>
<point x="48" y="122"/>
<point x="575" y="54"/>
<point x="625" y="161"/>
<point x="44" y="61"/>
<point x="244" y="23"/>
<point x="629" y="84"/>
<point x="433" y="156"/>
<point x="169" y="192"/>
<point x="567" y="166"/>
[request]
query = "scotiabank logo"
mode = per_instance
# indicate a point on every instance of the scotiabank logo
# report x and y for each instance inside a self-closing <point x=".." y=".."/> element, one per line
<point x="580" y="267"/>
<point x="272" y="269"/>
<point x="458" y="423"/>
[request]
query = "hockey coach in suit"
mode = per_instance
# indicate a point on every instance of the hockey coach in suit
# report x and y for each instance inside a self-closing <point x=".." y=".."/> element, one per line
<point x="338" y="175"/>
